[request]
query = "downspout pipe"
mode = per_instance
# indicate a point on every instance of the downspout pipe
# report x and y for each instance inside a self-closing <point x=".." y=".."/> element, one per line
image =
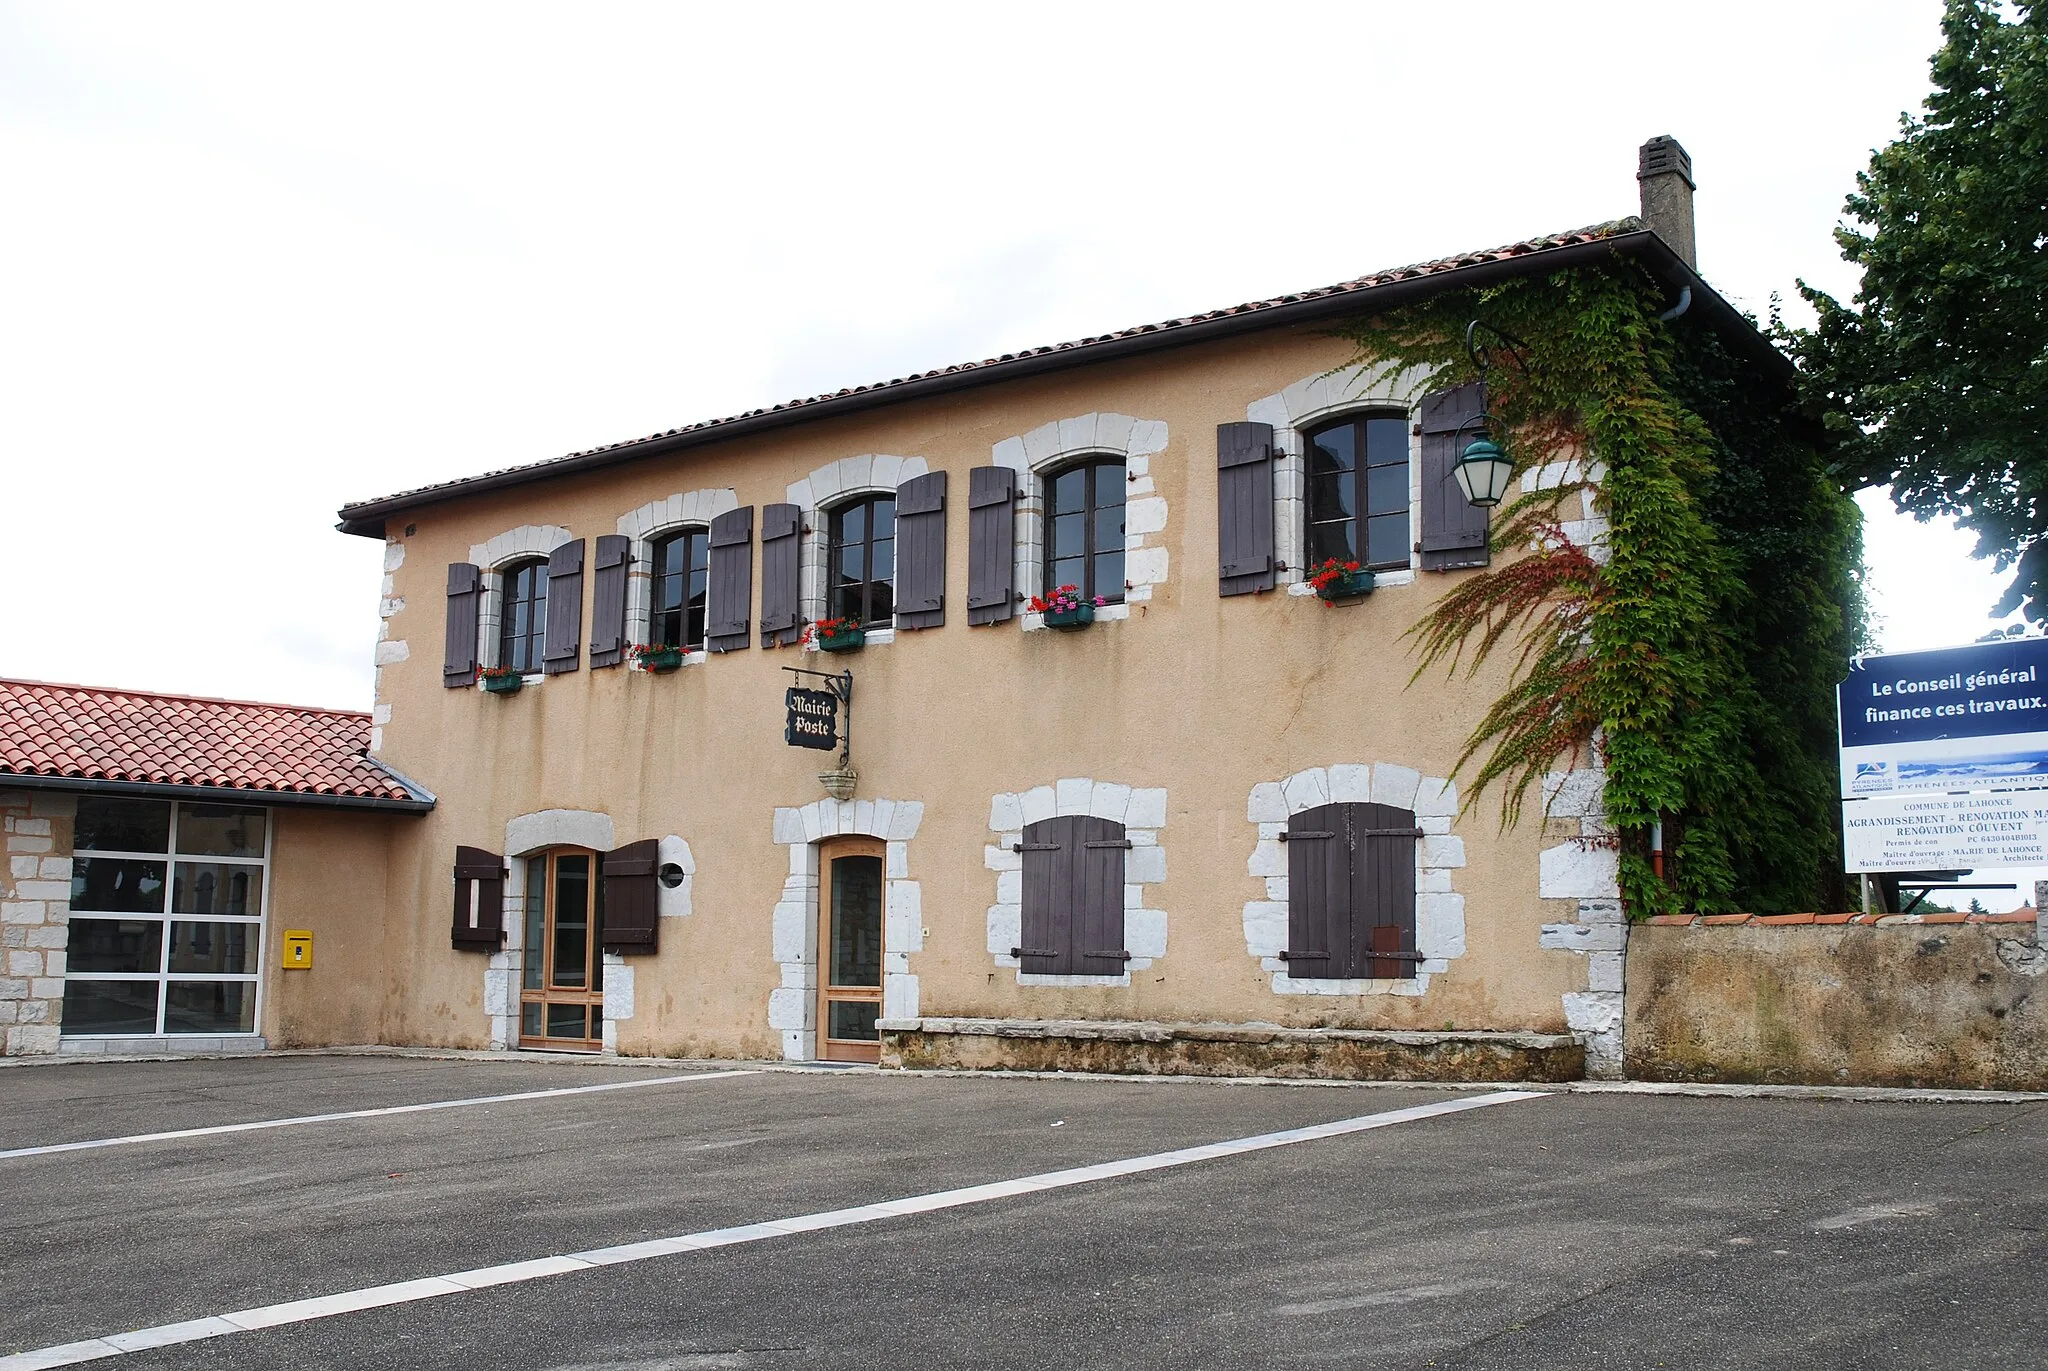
<point x="1684" y="304"/>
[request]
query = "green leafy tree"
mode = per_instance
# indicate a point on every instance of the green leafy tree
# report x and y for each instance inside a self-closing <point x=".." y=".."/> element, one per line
<point x="1934" y="380"/>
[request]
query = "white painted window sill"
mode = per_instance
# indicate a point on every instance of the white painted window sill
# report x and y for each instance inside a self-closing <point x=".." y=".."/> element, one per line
<point x="697" y="658"/>
<point x="533" y="679"/>
<point x="1381" y="580"/>
<point x="876" y="637"/>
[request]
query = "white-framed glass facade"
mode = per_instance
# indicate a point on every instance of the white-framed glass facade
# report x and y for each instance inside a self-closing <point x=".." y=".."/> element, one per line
<point x="168" y="901"/>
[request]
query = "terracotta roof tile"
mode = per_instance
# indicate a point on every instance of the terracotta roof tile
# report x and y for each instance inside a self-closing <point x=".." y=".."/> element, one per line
<point x="89" y="733"/>
<point x="1590" y="234"/>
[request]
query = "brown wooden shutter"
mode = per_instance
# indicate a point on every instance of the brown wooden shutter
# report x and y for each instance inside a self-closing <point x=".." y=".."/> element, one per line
<point x="1073" y="915"/>
<point x="921" y="551"/>
<point x="1453" y="530"/>
<point x="458" y="657"/>
<point x="991" y="544"/>
<point x="1318" y="894"/>
<point x="632" y="898"/>
<point x="608" y="601"/>
<point x="782" y="562"/>
<point x="1099" y="897"/>
<point x="565" y="609"/>
<point x="1383" y="842"/>
<point x="1244" y="507"/>
<point x="479" y="924"/>
<point x="730" y="586"/>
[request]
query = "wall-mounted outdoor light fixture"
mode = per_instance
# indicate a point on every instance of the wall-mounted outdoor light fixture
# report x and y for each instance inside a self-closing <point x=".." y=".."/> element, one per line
<point x="1483" y="469"/>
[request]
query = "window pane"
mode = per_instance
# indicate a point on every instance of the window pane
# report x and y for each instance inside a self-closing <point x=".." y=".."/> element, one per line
<point x="1109" y="575"/>
<point x="530" y="1020"/>
<point x="852" y="561"/>
<point x="1330" y="497"/>
<point x="1069" y="535"/>
<point x="1386" y="440"/>
<point x="110" y="825"/>
<point x="115" y="885"/>
<point x="572" y="922"/>
<point x="215" y="949"/>
<point x="1333" y="541"/>
<point x="850" y="525"/>
<point x="110" y="1006"/>
<point x="216" y="888"/>
<point x="220" y="830"/>
<point x="1388" y="536"/>
<point x="1386" y="489"/>
<point x="854" y="1020"/>
<point x="1069" y="572"/>
<point x="1109" y="484"/>
<point x="882" y="513"/>
<point x="1109" y="529"/>
<point x="115" y="945"/>
<point x="881" y="602"/>
<point x="536" y="921"/>
<point x="210" y="1007"/>
<point x="1334" y="450"/>
<point x="700" y="553"/>
<point x="667" y="629"/>
<point x="693" y="631"/>
<point x="565" y="1021"/>
<point x="883" y="560"/>
<point x="1070" y="490"/>
<point x="846" y="601"/>
<point x="856" y="952"/>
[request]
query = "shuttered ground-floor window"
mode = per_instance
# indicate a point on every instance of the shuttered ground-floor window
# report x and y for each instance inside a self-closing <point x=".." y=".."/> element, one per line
<point x="1073" y="914"/>
<point x="167" y="906"/>
<point x="1351" y="893"/>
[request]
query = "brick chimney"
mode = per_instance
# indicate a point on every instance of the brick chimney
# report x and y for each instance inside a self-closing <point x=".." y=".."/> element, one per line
<point x="1664" y="175"/>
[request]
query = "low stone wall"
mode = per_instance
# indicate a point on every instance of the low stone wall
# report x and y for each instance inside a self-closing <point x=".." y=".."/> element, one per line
<point x="1935" y="1000"/>
<point x="1190" y="1049"/>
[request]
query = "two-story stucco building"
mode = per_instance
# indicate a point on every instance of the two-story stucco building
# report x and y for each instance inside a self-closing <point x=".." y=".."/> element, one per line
<point x="1215" y="827"/>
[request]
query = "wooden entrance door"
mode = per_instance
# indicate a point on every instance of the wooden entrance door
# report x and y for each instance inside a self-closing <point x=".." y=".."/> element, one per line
<point x="561" y="991"/>
<point x="850" y="899"/>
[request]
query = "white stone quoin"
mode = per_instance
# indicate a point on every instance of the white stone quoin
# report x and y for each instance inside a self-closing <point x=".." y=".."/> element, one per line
<point x="1586" y="870"/>
<point x="1439" y="910"/>
<point x="793" y="1006"/>
<point x="1142" y="812"/>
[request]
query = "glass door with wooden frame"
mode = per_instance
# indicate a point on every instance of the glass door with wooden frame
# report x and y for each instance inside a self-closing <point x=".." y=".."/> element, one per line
<point x="850" y="894"/>
<point x="561" y="989"/>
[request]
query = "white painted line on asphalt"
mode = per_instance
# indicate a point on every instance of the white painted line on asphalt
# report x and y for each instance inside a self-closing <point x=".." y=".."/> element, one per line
<point x="431" y="1287"/>
<point x="384" y="1112"/>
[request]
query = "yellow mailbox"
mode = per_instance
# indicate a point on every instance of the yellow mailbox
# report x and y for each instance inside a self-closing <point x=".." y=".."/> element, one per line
<point x="298" y="948"/>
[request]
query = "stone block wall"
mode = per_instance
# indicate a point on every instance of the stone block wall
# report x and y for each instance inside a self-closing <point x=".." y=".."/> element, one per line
<point x="1936" y="1000"/>
<point x="35" y="914"/>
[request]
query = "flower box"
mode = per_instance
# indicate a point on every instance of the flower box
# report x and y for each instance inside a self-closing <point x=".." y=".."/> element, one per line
<point x="658" y="658"/>
<point x="845" y="640"/>
<point x="503" y="683"/>
<point x="1074" y="616"/>
<point x="1345" y="585"/>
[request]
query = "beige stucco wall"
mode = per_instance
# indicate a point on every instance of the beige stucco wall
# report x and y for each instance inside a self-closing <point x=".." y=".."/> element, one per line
<point x="329" y="873"/>
<point x="1194" y="693"/>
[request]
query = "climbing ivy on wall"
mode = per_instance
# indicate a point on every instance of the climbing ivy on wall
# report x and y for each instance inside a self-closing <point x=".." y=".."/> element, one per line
<point x="1699" y="651"/>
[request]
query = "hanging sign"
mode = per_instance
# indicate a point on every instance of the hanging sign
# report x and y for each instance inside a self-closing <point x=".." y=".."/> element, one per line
<point x="1965" y="718"/>
<point x="813" y="719"/>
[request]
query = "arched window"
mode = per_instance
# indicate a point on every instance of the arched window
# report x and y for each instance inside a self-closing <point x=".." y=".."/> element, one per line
<point x="523" y="627"/>
<point x="681" y="570"/>
<point x="863" y="562"/>
<point x="1084" y="543"/>
<point x="1358" y="491"/>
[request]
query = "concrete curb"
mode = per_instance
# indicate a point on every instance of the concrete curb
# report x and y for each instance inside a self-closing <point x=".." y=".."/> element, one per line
<point x="1701" y="1090"/>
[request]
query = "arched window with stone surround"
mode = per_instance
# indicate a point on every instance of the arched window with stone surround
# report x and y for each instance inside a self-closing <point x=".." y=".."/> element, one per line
<point x="861" y="562"/>
<point x="682" y="562"/>
<point x="1357" y="507"/>
<point x="1084" y="545"/>
<point x="523" y="622"/>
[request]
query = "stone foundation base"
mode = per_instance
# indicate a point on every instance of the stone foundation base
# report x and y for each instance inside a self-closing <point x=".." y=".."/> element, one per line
<point x="1196" y="1049"/>
<point x="170" y="1045"/>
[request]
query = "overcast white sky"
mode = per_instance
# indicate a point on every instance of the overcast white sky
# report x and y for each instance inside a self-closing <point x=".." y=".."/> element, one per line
<point x="264" y="259"/>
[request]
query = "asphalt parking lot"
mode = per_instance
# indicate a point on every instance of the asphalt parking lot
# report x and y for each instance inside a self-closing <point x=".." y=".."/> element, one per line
<point x="1559" y="1231"/>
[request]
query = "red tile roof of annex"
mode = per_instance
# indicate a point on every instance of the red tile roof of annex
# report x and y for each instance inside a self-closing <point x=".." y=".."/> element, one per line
<point x="365" y="516"/>
<point x="140" y="737"/>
